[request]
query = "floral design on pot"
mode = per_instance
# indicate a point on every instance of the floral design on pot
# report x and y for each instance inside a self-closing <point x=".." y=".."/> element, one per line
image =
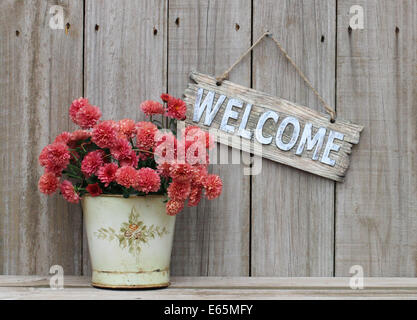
<point x="132" y="234"/>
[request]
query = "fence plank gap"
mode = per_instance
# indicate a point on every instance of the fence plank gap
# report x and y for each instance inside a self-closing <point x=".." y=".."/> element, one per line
<point x="376" y="75"/>
<point x="41" y="74"/>
<point x="212" y="239"/>
<point x="125" y="61"/>
<point x="293" y="211"/>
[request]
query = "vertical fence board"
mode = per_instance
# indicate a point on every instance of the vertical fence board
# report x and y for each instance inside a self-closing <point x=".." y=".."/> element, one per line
<point x="41" y="72"/>
<point x="293" y="211"/>
<point x="125" y="58"/>
<point x="212" y="239"/>
<point x="376" y="207"/>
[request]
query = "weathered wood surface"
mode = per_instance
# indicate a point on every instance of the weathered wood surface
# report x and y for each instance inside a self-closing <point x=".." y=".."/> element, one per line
<point x="376" y="208"/>
<point x="213" y="238"/>
<point x="125" y="58"/>
<point x="291" y="226"/>
<point x="388" y="283"/>
<point x="293" y="211"/>
<point x="261" y="103"/>
<point x="41" y="73"/>
<point x="218" y="288"/>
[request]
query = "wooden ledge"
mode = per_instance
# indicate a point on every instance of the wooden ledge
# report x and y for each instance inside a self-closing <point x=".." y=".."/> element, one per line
<point x="214" y="288"/>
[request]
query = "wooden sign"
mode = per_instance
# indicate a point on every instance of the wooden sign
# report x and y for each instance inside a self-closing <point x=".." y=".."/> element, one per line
<point x="272" y="127"/>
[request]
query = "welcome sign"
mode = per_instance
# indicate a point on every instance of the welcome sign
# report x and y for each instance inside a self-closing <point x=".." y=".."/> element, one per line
<point x="271" y="127"/>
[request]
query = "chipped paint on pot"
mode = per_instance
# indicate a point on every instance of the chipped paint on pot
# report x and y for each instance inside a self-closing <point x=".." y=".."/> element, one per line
<point x="129" y="240"/>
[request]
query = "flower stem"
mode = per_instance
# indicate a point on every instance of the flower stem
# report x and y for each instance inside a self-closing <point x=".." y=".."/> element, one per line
<point x="82" y="146"/>
<point x="75" y="157"/>
<point x="141" y="150"/>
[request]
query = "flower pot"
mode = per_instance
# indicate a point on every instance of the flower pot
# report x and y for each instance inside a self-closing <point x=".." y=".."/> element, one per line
<point x="129" y="240"/>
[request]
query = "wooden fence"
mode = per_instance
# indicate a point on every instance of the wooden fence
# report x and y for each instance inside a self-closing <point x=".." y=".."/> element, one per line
<point x="282" y="222"/>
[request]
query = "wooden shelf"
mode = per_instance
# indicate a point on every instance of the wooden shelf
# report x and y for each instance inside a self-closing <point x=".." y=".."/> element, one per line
<point x="214" y="288"/>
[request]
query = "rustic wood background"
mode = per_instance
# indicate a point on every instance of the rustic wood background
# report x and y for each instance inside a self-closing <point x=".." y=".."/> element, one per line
<point x="282" y="222"/>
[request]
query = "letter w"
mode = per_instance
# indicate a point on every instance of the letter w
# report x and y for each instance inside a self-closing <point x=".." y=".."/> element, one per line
<point x="207" y="103"/>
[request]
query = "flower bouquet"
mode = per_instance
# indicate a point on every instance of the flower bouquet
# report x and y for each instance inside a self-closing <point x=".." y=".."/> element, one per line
<point x="132" y="178"/>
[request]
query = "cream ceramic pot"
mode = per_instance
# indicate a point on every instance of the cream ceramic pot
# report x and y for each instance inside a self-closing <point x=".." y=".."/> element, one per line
<point x="129" y="240"/>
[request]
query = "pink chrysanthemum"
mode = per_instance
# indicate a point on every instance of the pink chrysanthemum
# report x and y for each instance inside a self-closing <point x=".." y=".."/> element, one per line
<point x="213" y="186"/>
<point x="124" y="153"/>
<point x="166" y="97"/>
<point x="150" y="107"/>
<point x="163" y="169"/>
<point x="174" y="206"/>
<point x="130" y="159"/>
<point x="48" y="183"/>
<point x="122" y="148"/>
<point x="148" y="180"/>
<point x="176" y="108"/>
<point x="199" y="175"/>
<point x="195" y="196"/>
<point x="107" y="173"/>
<point x="76" y="105"/>
<point x="87" y="116"/>
<point x="181" y="172"/>
<point x="55" y="158"/>
<point x="92" y="162"/>
<point x="105" y="134"/>
<point x="78" y="135"/>
<point x="179" y="190"/>
<point x="94" y="189"/>
<point x="127" y="128"/>
<point x="145" y="135"/>
<point x="127" y="177"/>
<point x="64" y="138"/>
<point x="68" y="192"/>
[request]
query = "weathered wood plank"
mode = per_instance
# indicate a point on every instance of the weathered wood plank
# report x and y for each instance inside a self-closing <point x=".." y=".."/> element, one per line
<point x="205" y="294"/>
<point x="219" y="288"/>
<point x="41" y="73"/>
<point x="125" y="58"/>
<point x="376" y="208"/>
<point x="328" y="283"/>
<point x="212" y="239"/>
<point x="261" y="103"/>
<point x="292" y="211"/>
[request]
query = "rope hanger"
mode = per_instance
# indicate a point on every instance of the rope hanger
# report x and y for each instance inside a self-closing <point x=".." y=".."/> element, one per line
<point x="225" y="74"/>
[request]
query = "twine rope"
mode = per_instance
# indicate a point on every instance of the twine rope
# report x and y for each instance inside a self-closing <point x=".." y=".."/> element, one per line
<point x="225" y="74"/>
